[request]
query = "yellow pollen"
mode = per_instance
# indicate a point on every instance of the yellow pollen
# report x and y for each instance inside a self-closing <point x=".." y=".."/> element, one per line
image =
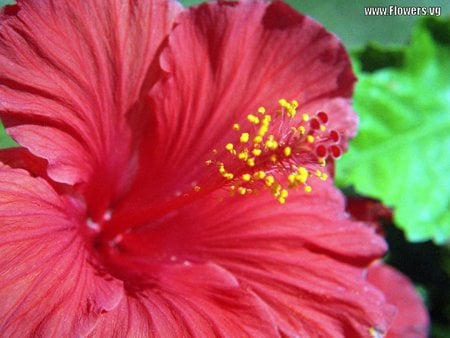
<point x="287" y="151"/>
<point x="246" y="177"/>
<point x="263" y="130"/>
<point x="228" y="176"/>
<point x="242" y="190"/>
<point x="222" y="169"/>
<point x="197" y="188"/>
<point x="244" y="137"/>
<point x="256" y="152"/>
<point x="257" y="139"/>
<point x="271" y="143"/>
<point x="243" y="155"/>
<point x="276" y="152"/>
<point x="253" y="119"/>
<point x="270" y="180"/>
<point x="260" y="174"/>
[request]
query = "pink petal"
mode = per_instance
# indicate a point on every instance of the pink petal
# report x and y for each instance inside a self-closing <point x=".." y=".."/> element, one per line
<point x="412" y="320"/>
<point x="201" y="300"/>
<point x="226" y="59"/>
<point x="304" y="260"/>
<point x="48" y="284"/>
<point x="76" y="70"/>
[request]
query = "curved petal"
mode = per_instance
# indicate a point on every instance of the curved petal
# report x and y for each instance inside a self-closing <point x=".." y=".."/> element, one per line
<point x="189" y="300"/>
<point x="412" y="320"/>
<point x="45" y="274"/>
<point x="72" y="75"/>
<point x="305" y="260"/>
<point x="226" y="59"/>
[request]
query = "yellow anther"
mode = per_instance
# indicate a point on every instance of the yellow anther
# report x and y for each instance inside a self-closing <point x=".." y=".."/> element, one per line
<point x="197" y="188"/>
<point x="257" y="139"/>
<point x="287" y="151"/>
<point x="267" y="119"/>
<point x="302" y="171"/>
<point x="244" y="137"/>
<point x="270" y="180"/>
<point x="242" y="190"/>
<point x="259" y="174"/>
<point x="271" y="143"/>
<point x="256" y="152"/>
<point x="263" y="130"/>
<point x="282" y="102"/>
<point x="243" y="155"/>
<point x="228" y="176"/>
<point x="291" y="179"/>
<point x="253" y="119"/>
<point x="246" y="177"/>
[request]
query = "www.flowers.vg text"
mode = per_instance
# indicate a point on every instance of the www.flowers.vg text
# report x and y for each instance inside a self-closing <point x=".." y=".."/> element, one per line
<point x="393" y="10"/>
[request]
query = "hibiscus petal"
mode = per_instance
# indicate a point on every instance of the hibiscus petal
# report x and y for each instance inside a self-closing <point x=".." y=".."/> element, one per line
<point x="228" y="58"/>
<point x="47" y="284"/>
<point x="412" y="320"/>
<point x="76" y="70"/>
<point x="305" y="260"/>
<point x="189" y="300"/>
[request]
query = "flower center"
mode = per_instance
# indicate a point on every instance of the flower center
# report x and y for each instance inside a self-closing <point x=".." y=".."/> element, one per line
<point x="277" y="152"/>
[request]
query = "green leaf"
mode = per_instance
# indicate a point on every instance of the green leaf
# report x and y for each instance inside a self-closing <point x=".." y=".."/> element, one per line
<point x="401" y="154"/>
<point x="6" y="2"/>
<point x="5" y="140"/>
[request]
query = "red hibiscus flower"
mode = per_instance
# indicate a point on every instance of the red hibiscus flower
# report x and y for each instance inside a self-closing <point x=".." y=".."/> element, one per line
<point x="171" y="178"/>
<point x="412" y="320"/>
